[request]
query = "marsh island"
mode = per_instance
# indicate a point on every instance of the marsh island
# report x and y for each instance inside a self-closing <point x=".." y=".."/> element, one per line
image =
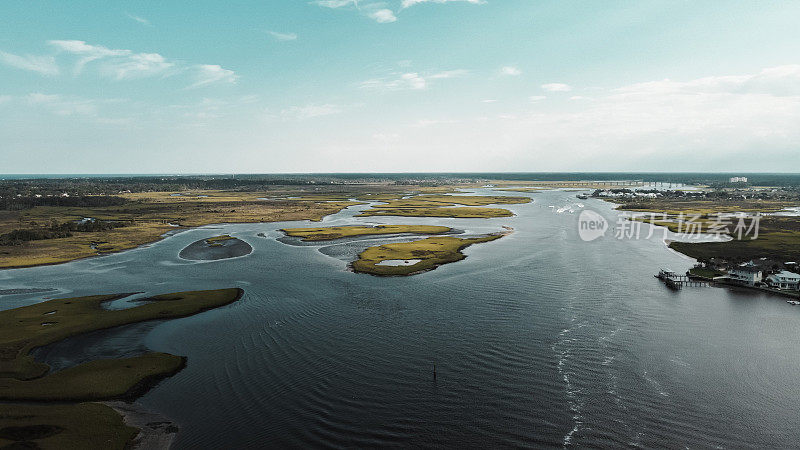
<point x="215" y="248"/>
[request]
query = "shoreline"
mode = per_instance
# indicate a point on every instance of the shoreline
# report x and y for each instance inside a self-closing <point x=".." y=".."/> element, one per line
<point x="720" y="284"/>
<point x="170" y="230"/>
<point x="156" y="431"/>
<point x="161" y="237"/>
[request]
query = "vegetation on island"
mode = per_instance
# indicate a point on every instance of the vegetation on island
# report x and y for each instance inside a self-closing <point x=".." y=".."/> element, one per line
<point x="331" y="233"/>
<point x="56" y="228"/>
<point x="432" y="253"/>
<point x="457" y="213"/>
<point x="445" y="206"/>
<point x="23" y="329"/>
<point x="28" y="238"/>
<point x="22" y="379"/>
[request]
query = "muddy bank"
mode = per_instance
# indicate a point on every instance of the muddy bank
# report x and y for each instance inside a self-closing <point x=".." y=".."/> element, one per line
<point x="216" y="248"/>
<point x="155" y="430"/>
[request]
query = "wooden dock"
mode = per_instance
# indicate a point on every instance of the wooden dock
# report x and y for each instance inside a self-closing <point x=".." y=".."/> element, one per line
<point x="675" y="281"/>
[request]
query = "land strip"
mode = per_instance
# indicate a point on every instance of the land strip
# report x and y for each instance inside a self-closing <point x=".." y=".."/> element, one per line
<point x="59" y="422"/>
<point x="427" y="254"/>
<point x="331" y="233"/>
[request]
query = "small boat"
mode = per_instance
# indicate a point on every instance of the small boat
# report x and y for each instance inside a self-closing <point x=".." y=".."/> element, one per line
<point x="793" y="302"/>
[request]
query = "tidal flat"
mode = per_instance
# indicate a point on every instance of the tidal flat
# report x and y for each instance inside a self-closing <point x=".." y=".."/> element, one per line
<point x="53" y="415"/>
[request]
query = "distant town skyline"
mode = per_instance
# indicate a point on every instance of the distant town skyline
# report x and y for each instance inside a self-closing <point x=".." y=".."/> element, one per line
<point x="399" y="85"/>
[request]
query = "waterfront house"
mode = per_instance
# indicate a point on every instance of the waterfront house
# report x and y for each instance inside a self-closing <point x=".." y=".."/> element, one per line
<point x="784" y="280"/>
<point x="747" y="273"/>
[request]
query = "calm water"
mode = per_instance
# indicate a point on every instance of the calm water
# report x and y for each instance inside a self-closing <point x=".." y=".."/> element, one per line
<point x="540" y="339"/>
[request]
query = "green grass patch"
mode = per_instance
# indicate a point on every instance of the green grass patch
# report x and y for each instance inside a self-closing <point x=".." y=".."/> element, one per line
<point x="23" y="329"/>
<point x="218" y="239"/>
<point x="706" y="273"/>
<point x="432" y="251"/>
<point x="63" y="427"/>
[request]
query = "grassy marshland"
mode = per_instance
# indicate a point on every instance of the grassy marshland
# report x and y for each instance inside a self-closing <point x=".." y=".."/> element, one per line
<point x="63" y="425"/>
<point x="445" y="206"/>
<point x="23" y="329"/>
<point x="147" y="217"/>
<point x="432" y="251"/>
<point x="459" y="213"/>
<point x="778" y="237"/>
<point x="215" y="239"/>
<point x="330" y="233"/>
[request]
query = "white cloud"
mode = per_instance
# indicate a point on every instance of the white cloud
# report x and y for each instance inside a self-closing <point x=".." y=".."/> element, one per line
<point x="448" y="74"/>
<point x="383" y="16"/>
<point x="283" y="36"/>
<point x="123" y="64"/>
<point x="707" y="124"/>
<point x="489" y="101"/>
<point x="536" y="98"/>
<point x="378" y="10"/>
<point x="311" y="111"/>
<point x="205" y="74"/>
<point x="335" y="3"/>
<point x="510" y="71"/>
<point x="87" y="52"/>
<point x="116" y="63"/>
<point x="62" y="106"/>
<point x="139" y="19"/>
<point x="410" y="3"/>
<point x="556" y="87"/>
<point x="410" y="80"/>
<point x="137" y="65"/>
<point x="45" y="65"/>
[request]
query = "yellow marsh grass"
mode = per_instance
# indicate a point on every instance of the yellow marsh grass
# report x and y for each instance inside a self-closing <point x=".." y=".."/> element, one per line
<point x="23" y="329"/>
<point x="432" y="251"/>
<point x="329" y="233"/>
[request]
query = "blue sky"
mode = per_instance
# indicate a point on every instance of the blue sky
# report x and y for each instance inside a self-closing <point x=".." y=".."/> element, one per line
<point x="398" y="85"/>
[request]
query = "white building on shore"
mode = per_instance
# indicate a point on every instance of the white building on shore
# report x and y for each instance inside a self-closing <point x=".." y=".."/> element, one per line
<point x="747" y="273"/>
<point x="784" y="280"/>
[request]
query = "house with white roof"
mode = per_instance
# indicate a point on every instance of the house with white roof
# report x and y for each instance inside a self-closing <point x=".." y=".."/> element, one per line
<point x="784" y="280"/>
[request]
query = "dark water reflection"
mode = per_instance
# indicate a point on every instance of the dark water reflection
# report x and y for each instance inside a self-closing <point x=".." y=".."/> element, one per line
<point x="539" y="338"/>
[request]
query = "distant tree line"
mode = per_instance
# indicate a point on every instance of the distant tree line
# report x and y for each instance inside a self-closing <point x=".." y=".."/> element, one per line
<point x="57" y="230"/>
<point x="18" y="203"/>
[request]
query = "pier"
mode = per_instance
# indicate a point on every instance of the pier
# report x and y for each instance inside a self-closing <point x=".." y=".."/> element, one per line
<point x="675" y="281"/>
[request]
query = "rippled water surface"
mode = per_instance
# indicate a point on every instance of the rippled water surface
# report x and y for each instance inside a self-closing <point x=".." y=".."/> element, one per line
<point x="538" y="338"/>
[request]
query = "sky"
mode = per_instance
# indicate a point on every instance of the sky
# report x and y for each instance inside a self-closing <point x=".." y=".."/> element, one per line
<point x="274" y="86"/>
